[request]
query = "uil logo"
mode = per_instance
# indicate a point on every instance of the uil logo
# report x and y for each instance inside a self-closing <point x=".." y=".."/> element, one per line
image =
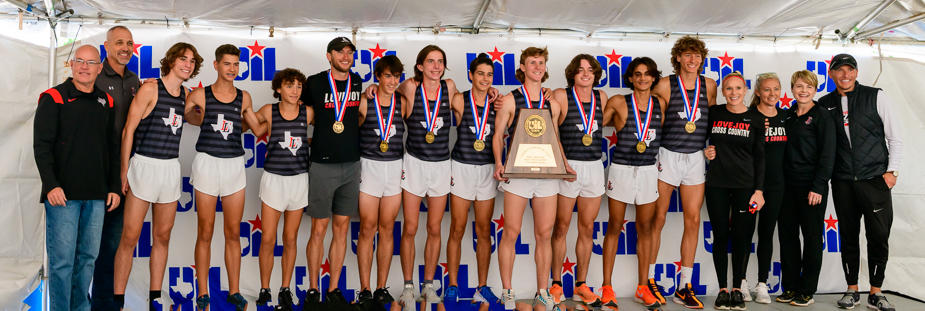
<point x="719" y="67"/>
<point x="258" y="62"/>
<point x="614" y="66"/>
<point x="669" y="275"/>
<point x="252" y="233"/>
<point x="821" y="68"/>
<point x="364" y="61"/>
<point x="183" y="290"/>
<point x="142" y="61"/>
<point x="832" y="240"/>
<point x="535" y="126"/>
<point x="355" y="237"/>
<point x="505" y="67"/>
<point x="255" y="149"/>
<point x="626" y="241"/>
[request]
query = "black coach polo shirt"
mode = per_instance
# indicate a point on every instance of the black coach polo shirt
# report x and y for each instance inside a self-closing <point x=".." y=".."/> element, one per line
<point x="121" y="88"/>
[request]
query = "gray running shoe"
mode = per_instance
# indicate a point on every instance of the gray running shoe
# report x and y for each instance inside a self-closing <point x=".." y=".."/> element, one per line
<point x="850" y="299"/>
<point x="878" y="302"/>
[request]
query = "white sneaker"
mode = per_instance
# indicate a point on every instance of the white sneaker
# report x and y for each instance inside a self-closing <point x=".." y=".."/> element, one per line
<point x="406" y="300"/>
<point x="746" y="292"/>
<point x="761" y="293"/>
<point x="544" y="298"/>
<point x="509" y="299"/>
<point x="429" y="294"/>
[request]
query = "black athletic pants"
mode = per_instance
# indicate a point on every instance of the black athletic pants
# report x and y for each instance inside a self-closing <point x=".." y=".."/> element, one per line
<point x="800" y="272"/>
<point x="871" y="200"/>
<point x="740" y="227"/>
<point x="767" y="222"/>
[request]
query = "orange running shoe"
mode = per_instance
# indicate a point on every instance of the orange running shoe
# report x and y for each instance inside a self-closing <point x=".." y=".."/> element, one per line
<point x="608" y="299"/>
<point x="656" y="291"/>
<point x="585" y="295"/>
<point x="556" y="292"/>
<point x="645" y="297"/>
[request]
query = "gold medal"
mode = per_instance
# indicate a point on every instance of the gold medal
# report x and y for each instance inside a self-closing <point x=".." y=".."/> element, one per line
<point x="429" y="138"/>
<point x="586" y="140"/>
<point x="479" y="145"/>
<point x="383" y="146"/>
<point x="641" y="147"/>
<point x="338" y="127"/>
<point x="690" y="127"/>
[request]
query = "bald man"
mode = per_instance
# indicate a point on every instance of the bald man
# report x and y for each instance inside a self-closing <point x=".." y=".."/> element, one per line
<point x="121" y="84"/>
<point x="76" y="150"/>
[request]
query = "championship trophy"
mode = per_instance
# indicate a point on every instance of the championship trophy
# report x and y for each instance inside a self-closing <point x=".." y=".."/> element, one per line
<point x="535" y="151"/>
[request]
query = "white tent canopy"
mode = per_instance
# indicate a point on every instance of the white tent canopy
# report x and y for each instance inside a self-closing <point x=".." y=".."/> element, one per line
<point x="728" y="17"/>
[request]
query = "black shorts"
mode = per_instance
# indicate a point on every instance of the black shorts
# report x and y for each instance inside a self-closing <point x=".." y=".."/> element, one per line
<point x="334" y="189"/>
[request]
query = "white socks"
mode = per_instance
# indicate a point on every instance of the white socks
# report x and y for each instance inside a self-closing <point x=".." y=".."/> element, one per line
<point x="652" y="271"/>
<point x="686" y="273"/>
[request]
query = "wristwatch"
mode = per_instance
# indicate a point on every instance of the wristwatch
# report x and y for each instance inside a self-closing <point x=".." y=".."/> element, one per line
<point x="895" y="173"/>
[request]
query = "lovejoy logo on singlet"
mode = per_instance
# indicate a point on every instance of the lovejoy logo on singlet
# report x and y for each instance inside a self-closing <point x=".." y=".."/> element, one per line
<point x="708" y="239"/>
<point x="183" y="289"/>
<point x="355" y="237"/>
<point x="258" y="62"/>
<point x="252" y="232"/>
<point x="626" y="243"/>
<point x="364" y="61"/>
<point x="324" y="282"/>
<point x="497" y="229"/>
<point x="223" y="126"/>
<point x="821" y="68"/>
<point x="614" y="66"/>
<point x="721" y="66"/>
<point x="173" y="120"/>
<point x="505" y="66"/>
<point x="832" y="240"/>
<point x="669" y="274"/>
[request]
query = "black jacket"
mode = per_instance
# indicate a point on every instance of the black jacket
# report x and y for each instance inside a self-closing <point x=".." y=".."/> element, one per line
<point x="865" y="155"/>
<point x="810" y="152"/>
<point x="75" y="142"/>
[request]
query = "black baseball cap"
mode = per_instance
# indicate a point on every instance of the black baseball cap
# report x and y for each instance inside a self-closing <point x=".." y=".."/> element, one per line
<point x="339" y="43"/>
<point x="843" y="59"/>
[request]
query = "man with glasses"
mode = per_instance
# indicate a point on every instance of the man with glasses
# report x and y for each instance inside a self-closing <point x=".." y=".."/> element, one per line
<point x="122" y="85"/>
<point x="333" y="177"/>
<point x="76" y="149"/>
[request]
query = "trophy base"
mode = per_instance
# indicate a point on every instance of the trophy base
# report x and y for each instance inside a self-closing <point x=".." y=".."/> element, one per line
<point x="538" y="175"/>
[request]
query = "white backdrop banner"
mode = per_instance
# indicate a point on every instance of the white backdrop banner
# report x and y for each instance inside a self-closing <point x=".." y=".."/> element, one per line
<point x="262" y="56"/>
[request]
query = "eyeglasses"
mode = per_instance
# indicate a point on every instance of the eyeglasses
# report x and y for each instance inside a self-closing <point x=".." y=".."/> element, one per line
<point x="80" y="62"/>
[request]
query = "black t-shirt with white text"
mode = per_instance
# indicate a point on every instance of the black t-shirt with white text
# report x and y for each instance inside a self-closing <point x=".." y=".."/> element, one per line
<point x="327" y="146"/>
<point x="774" y="145"/>
<point x="739" y="141"/>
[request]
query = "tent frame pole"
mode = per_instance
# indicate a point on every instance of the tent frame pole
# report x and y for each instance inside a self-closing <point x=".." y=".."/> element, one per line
<point x="478" y="18"/>
<point x="891" y="25"/>
<point x="852" y="33"/>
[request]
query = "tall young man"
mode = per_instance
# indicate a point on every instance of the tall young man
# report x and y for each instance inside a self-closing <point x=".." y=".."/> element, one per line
<point x="218" y="169"/>
<point x="152" y="176"/>
<point x="121" y="84"/>
<point x="680" y="158"/>
<point x="580" y="122"/>
<point x="334" y="94"/>
<point x="868" y="148"/>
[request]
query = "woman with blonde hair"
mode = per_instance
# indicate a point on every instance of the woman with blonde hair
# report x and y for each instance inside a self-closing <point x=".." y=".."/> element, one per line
<point x="735" y="183"/>
<point x="808" y="162"/>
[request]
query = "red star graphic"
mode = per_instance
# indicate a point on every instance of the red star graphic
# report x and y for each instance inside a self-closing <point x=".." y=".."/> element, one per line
<point x="326" y="267"/>
<point x="377" y="52"/>
<point x="568" y="266"/>
<point x="446" y="268"/>
<point x="831" y="223"/>
<point x="263" y="138"/>
<point x="256" y="49"/>
<point x="613" y="57"/>
<point x="496" y="56"/>
<point x="135" y="49"/>
<point x="829" y="62"/>
<point x="623" y="227"/>
<point x="499" y="222"/>
<point x="785" y="102"/>
<point x="611" y="139"/>
<point x="256" y="224"/>
<point x="678" y="265"/>
<point x="727" y="60"/>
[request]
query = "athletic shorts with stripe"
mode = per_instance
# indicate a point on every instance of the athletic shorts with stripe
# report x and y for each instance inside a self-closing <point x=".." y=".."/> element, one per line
<point x="154" y="180"/>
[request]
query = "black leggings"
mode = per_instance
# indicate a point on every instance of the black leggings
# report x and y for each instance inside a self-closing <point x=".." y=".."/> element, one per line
<point x="721" y="202"/>
<point x="767" y="222"/>
<point x="869" y="199"/>
<point x="800" y="271"/>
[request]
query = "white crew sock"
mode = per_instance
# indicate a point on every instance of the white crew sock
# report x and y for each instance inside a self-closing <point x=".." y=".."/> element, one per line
<point x="652" y="271"/>
<point x="686" y="273"/>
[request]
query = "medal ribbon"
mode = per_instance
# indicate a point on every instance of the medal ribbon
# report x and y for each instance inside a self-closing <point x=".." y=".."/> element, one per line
<point x="479" y="123"/>
<point x="523" y="89"/>
<point x="585" y="118"/>
<point x="688" y="107"/>
<point x="642" y="129"/>
<point x="431" y="119"/>
<point x="339" y="103"/>
<point x="385" y="125"/>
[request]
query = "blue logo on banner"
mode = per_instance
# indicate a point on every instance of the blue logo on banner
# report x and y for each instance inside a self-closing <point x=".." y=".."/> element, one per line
<point x="672" y="271"/>
<point x="257" y="148"/>
<point x="497" y="229"/>
<point x="258" y="62"/>
<point x="822" y="69"/>
<point x="355" y="237"/>
<point x="505" y="67"/>
<point x="708" y="239"/>
<point x="252" y="232"/>
<point x="367" y="59"/>
<point x="626" y="243"/>
<point x="141" y="63"/>
<point x="723" y="66"/>
<point x="832" y="240"/>
<point x="614" y="66"/>
<point x="183" y="289"/>
<point x="775" y="279"/>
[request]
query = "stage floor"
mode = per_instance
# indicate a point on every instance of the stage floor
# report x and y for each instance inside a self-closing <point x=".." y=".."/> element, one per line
<point x="822" y="302"/>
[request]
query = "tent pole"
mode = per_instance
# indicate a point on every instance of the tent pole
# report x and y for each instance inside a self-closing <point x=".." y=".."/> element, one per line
<point x="864" y="21"/>
<point x="890" y="26"/>
<point x="27" y="8"/>
<point x="480" y="16"/>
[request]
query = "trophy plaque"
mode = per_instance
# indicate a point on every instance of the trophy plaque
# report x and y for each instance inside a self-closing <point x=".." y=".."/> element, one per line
<point x="535" y="151"/>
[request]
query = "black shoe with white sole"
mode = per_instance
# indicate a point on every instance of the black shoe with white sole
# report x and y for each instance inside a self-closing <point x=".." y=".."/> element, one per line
<point x="878" y="302"/>
<point x="802" y="301"/>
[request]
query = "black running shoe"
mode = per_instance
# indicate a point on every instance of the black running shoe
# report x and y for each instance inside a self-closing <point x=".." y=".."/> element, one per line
<point x="383" y="296"/>
<point x="335" y="299"/>
<point x="722" y="301"/>
<point x="802" y="301"/>
<point x="312" y="300"/>
<point x="878" y="302"/>
<point x="686" y="297"/>
<point x="787" y="296"/>
<point x="264" y="297"/>
<point x="364" y="297"/>
<point x="738" y="301"/>
<point x="285" y="299"/>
